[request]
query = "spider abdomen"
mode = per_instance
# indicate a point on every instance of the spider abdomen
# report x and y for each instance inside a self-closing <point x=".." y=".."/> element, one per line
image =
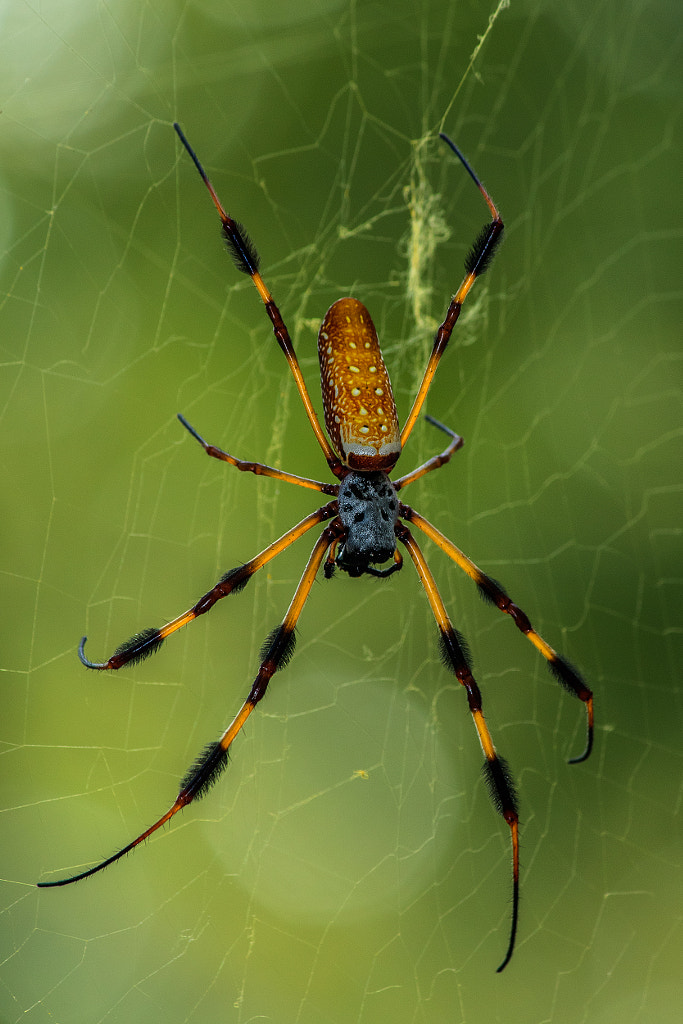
<point x="360" y="413"/>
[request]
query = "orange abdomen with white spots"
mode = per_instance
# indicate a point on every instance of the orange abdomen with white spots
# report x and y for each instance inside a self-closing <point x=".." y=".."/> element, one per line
<point x="360" y="413"/>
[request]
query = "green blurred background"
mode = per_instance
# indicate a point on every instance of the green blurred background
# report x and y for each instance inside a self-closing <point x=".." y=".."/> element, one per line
<point x="349" y="866"/>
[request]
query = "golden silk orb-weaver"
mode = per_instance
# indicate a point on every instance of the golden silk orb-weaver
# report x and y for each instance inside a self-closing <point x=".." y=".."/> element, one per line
<point x="365" y="520"/>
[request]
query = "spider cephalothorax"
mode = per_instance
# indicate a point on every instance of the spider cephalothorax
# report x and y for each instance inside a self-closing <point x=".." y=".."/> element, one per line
<point x="365" y="521"/>
<point x="368" y="511"/>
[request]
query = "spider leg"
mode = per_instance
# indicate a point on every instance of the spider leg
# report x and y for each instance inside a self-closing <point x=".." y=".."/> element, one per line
<point x="275" y="653"/>
<point x="258" y="468"/>
<point x="565" y="673"/>
<point x="496" y="771"/>
<point x="148" y="641"/>
<point x="476" y="263"/>
<point x="436" y="461"/>
<point x="246" y="259"/>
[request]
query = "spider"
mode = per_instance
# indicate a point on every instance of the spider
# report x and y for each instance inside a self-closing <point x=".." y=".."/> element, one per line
<point x="363" y="522"/>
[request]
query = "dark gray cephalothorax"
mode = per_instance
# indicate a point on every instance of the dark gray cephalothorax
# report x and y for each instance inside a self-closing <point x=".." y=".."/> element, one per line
<point x="368" y="509"/>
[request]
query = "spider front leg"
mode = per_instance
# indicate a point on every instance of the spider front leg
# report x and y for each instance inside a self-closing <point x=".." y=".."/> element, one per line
<point x="275" y="653"/>
<point x="496" y="771"/>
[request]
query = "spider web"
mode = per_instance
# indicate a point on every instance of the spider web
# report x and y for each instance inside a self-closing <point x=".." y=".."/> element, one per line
<point x="349" y="867"/>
